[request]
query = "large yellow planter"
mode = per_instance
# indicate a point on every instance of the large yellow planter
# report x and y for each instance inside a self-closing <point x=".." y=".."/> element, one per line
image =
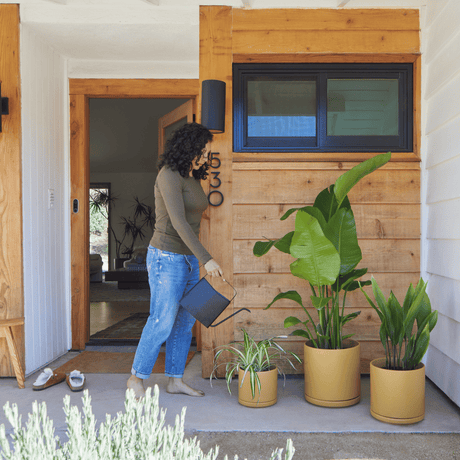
<point x="332" y="377"/>
<point x="397" y="397"/>
<point x="268" y="389"/>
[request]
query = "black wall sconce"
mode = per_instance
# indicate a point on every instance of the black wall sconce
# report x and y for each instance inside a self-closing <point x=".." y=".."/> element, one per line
<point x="213" y="105"/>
<point x="5" y="107"/>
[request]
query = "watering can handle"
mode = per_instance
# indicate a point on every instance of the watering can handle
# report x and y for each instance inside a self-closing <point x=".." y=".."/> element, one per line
<point x="234" y="290"/>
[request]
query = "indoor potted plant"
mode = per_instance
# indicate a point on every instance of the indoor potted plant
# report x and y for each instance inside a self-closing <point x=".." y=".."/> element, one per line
<point x="134" y="226"/>
<point x="325" y="245"/>
<point x="257" y="364"/>
<point x="398" y="379"/>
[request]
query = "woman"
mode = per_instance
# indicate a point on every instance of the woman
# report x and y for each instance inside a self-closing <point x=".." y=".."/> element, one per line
<point x="174" y="256"/>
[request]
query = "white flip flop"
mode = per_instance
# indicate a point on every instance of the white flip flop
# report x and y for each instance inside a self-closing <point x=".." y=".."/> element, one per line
<point x="76" y="380"/>
<point x="47" y="379"/>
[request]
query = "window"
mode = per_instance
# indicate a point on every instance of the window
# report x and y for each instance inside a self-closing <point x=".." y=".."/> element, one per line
<point x="322" y="107"/>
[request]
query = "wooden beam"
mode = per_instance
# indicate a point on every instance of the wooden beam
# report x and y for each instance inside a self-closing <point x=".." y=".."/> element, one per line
<point x="11" y="252"/>
<point x="216" y="226"/>
<point x="128" y="88"/>
<point x="79" y="239"/>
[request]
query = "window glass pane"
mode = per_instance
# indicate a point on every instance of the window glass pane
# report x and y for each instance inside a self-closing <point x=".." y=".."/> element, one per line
<point x="281" y="108"/>
<point x="362" y="107"/>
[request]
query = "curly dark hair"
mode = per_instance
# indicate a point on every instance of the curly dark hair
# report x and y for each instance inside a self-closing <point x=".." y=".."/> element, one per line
<point x="186" y="145"/>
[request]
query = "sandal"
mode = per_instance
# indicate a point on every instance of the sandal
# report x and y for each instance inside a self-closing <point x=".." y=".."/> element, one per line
<point x="47" y="379"/>
<point x="75" y="380"/>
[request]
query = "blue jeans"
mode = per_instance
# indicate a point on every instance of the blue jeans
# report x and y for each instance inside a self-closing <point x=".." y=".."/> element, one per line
<point x="171" y="275"/>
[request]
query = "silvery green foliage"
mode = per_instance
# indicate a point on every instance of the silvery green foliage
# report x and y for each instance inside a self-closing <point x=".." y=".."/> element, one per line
<point x="138" y="433"/>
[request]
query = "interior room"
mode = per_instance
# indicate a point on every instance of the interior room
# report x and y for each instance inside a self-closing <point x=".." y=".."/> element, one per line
<point x="124" y="136"/>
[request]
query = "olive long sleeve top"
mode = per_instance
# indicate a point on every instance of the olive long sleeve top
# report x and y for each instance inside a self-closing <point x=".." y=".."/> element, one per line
<point x="179" y="204"/>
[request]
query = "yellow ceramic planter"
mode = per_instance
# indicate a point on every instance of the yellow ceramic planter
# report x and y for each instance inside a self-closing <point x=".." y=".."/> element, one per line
<point x="333" y="377"/>
<point x="397" y="397"/>
<point x="268" y="386"/>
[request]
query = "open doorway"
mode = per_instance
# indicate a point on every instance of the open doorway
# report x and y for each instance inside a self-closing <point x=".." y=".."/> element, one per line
<point x="126" y="136"/>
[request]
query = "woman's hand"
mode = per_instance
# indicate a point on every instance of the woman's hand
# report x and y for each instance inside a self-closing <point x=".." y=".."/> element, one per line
<point x="213" y="268"/>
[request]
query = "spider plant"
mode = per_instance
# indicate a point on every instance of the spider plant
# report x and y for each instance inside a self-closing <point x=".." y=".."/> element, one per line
<point x="252" y="357"/>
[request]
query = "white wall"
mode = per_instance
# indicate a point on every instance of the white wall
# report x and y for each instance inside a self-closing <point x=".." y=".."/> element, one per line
<point x="45" y="166"/>
<point x="441" y="191"/>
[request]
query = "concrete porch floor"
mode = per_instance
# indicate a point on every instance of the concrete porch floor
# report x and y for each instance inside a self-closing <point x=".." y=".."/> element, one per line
<point x="217" y="419"/>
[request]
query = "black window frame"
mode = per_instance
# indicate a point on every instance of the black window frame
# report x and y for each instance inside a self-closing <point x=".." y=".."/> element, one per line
<point x="242" y="73"/>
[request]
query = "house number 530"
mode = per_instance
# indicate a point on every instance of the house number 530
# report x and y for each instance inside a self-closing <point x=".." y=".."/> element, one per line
<point x="215" y="182"/>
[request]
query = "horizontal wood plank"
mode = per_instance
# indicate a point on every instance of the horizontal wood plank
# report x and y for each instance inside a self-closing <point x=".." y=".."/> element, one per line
<point x="289" y="58"/>
<point x="256" y="290"/>
<point x="326" y="19"/>
<point x="372" y="221"/>
<point x="312" y="157"/>
<point x="319" y="41"/>
<point x="384" y="256"/>
<point x="317" y="165"/>
<point x="129" y="88"/>
<point x="269" y="187"/>
<point x="365" y="327"/>
<point x="369" y="351"/>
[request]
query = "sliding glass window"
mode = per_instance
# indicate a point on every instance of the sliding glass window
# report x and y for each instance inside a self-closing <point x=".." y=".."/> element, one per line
<point x="328" y="107"/>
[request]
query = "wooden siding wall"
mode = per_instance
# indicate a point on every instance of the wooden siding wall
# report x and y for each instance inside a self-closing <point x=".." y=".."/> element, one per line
<point x="11" y="268"/>
<point x="441" y="236"/>
<point x="265" y="185"/>
<point x="46" y="248"/>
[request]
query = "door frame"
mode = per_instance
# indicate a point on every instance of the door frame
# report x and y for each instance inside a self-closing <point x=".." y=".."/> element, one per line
<point x="80" y="91"/>
<point x="186" y="110"/>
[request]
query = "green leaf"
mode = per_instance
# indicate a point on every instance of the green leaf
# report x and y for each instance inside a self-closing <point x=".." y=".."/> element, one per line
<point x="284" y="244"/>
<point x="383" y="306"/>
<point x="327" y="203"/>
<point x="396" y="319"/>
<point x="318" y="260"/>
<point x="262" y="247"/>
<point x="292" y="295"/>
<point x="320" y="302"/>
<point x="424" y="310"/>
<point x="415" y="306"/>
<point x="341" y="231"/>
<point x="421" y="347"/>
<point x="302" y="333"/>
<point x="347" y="318"/>
<point x="350" y="178"/>
<point x="288" y="213"/>
<point x="291" y="321"/>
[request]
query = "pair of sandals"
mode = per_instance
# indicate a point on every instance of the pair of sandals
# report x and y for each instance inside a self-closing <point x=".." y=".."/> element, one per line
<point x="76" y="380"/>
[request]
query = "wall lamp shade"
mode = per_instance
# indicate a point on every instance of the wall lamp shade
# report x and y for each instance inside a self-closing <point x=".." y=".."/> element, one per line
<point x="213" y="105"/>
<point x="4" y="107"/>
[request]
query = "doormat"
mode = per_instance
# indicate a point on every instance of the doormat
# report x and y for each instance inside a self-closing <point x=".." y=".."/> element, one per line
<point x="127" y="329"/>
<point x="104" y="362"/>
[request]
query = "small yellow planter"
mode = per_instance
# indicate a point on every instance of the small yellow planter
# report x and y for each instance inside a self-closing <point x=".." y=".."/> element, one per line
<point x="268" y="386"/>
<point x="397" y="397"/>
<point x="332" y="377"/>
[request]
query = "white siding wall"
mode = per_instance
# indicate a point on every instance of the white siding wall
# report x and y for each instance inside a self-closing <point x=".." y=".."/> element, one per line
<point x="441" y="193"/>
<point x="45" y="166"/>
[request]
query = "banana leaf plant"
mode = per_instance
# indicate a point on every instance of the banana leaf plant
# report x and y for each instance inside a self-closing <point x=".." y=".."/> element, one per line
<point x="397" y="332"/>
<point x="325" y="245"/>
